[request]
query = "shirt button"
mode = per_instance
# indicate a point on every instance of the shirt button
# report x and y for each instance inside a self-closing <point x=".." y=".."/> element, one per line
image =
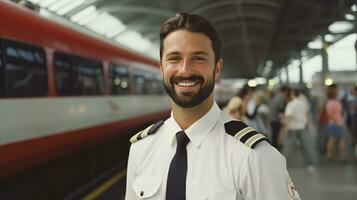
<point x="141" y="193"/>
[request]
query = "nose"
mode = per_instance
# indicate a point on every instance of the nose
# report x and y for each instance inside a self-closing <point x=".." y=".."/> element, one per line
<point x="185" y="67"/>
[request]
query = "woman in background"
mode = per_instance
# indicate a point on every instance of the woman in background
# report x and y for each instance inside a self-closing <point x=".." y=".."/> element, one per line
<point x="334" y="127"/>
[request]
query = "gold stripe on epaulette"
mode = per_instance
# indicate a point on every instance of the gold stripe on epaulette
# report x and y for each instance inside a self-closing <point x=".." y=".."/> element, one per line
<point x="142" y="134"/>
<point x="145" y="132"/>
<point x="243" y="132"/>
<point x="253" y="139"/>
<point x="133" y="139"/>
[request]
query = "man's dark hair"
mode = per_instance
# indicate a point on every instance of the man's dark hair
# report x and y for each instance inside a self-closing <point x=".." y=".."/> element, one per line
<point x="192" y="23"/>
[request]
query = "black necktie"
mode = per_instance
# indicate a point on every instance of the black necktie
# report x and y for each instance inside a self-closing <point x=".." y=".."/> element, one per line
<point x="176" y="180"/>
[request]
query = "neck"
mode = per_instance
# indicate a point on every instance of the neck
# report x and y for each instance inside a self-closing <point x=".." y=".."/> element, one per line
<point x="185" y="117"/>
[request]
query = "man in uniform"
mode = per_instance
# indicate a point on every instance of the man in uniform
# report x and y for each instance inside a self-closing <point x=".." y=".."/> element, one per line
<point x="200" y="152"/>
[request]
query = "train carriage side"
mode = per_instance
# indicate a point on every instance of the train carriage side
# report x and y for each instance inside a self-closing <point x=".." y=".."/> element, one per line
<point x="61" y="90"/>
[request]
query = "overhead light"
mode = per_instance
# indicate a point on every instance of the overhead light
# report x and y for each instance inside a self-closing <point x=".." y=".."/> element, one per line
<point x="70" y="7"/>
<point x="115" y="30"/>
<point x="315" y="44"/>
<point x="47" y="3"/>
<point x="88" y="19"/>
<point x="97" y="22"/>
<point x="271" y="82"/>
<point x="329" y="37"/>
<point x="260" y="80"/>
<point x="34" y="1"/>
<point x="340" y="27"/>
<point x="59" y="4"/>
<point x="309" y="85"/>
<point x="84" y="13"/>
<point x="328" y="81"/>
<point x="153" y="51"/>
<point x="252" y="83"/>
<point x="354" y="8"/>
<point x="133" y="40"/>
<point x="350" y="17"/>
<point x="106" y="24"/>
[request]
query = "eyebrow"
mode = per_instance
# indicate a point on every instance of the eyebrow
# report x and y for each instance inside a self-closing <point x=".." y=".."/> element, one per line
<point x="197" y="53"/>
<point x="200" y="53"/>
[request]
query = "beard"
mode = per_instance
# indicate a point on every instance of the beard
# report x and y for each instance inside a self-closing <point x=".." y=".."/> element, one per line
<point x="189" y="99"/>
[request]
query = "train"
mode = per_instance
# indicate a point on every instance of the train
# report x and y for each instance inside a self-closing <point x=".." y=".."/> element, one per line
<point x="62" y="90"/>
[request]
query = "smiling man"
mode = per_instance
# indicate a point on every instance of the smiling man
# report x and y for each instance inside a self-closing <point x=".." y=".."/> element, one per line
<point x="200" y="152"/>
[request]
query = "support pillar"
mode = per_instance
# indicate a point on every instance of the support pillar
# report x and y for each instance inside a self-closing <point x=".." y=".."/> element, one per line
<point x="325" y="66"/>
<point x="301" y="75"/>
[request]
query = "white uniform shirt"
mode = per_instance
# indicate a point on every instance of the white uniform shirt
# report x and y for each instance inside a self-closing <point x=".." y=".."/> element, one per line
<point x="218" y="166"/>
<point x="297" y="110"/>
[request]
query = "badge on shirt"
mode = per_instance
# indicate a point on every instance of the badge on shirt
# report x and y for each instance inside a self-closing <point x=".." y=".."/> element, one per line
<point x="293" y="190"/>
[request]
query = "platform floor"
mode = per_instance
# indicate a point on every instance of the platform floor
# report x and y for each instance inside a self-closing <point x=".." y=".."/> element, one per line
<point x="327" y="182"/>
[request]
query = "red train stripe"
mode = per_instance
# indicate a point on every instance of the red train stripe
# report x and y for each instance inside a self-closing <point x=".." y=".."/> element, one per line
<point x="19" y="156"/>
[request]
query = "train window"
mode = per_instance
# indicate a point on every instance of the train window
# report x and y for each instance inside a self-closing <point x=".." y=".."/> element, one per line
<point x="158" y="85"/>
<point x="76" y="75"/>
<point x="119" y="79"/>
<point x="138" y="81"/>
<point x="24" y="70"/>
<point x="149" y="83"/>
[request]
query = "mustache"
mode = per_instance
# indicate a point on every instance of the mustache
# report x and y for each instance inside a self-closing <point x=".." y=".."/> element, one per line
<point x="190" y="78"/>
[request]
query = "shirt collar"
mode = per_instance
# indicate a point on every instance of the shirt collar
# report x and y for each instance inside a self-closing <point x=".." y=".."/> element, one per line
<point x="198" y="130"/>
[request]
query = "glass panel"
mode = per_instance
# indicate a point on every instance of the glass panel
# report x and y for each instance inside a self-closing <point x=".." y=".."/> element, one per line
<point x="25" y="70"/>
<point x="77" y="75"/>
<point x="138" y="81"/>
<point x="119" y="79"/>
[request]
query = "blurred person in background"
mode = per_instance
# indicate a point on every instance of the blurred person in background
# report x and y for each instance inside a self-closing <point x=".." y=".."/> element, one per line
<point x="334" y="128"/>
<point x="263" y="111"/>
<point x="277" y="108"/>
<point x="322" y="122"/>
<point x="352" y="119"/>
<point x="296" y="121"/>
<point x="234" y="108"/>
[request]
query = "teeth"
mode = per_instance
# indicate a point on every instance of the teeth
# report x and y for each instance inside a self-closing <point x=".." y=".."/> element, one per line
<point x="186" y="84"/>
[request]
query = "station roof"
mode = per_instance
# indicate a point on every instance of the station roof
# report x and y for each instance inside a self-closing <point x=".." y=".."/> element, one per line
<point x="258" y="36"/>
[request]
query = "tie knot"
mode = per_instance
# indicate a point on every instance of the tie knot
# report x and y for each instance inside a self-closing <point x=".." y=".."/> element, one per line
<point x="182" y="139"/>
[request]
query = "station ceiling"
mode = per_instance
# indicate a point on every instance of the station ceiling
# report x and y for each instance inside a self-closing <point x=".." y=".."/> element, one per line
<point x="258" y="36"/>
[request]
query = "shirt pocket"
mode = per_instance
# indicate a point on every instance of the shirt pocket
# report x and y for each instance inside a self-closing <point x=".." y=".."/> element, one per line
<point x="202" y="191"/>
<point x="147" y="187"/>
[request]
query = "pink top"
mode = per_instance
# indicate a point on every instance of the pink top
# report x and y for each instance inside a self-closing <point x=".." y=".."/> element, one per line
<point x="334" y="111"/>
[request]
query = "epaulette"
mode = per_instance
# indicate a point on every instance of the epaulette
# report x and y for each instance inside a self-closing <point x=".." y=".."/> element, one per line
<point x="244" y="133"/>
<point x="146" y="132"/>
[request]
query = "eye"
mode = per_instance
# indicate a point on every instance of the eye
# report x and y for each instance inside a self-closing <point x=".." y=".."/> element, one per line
<point x="199" y="59"/>
<point x="173" y="59"/>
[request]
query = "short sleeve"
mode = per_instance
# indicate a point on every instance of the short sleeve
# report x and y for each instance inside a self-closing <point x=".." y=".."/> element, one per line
<point x="264" y="176"/>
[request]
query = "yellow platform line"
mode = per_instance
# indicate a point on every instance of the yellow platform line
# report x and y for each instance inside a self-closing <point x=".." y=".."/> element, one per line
<point x="105" y="186"/>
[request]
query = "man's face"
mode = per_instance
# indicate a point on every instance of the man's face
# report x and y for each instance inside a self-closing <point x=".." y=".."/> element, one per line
<point x="188" y="67"/>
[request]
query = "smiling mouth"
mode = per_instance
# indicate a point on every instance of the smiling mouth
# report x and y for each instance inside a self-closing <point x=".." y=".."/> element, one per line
<point x="186" y="84"/>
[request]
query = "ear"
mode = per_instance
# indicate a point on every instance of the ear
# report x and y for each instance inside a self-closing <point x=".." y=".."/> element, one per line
<point x="218" y="68"/>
